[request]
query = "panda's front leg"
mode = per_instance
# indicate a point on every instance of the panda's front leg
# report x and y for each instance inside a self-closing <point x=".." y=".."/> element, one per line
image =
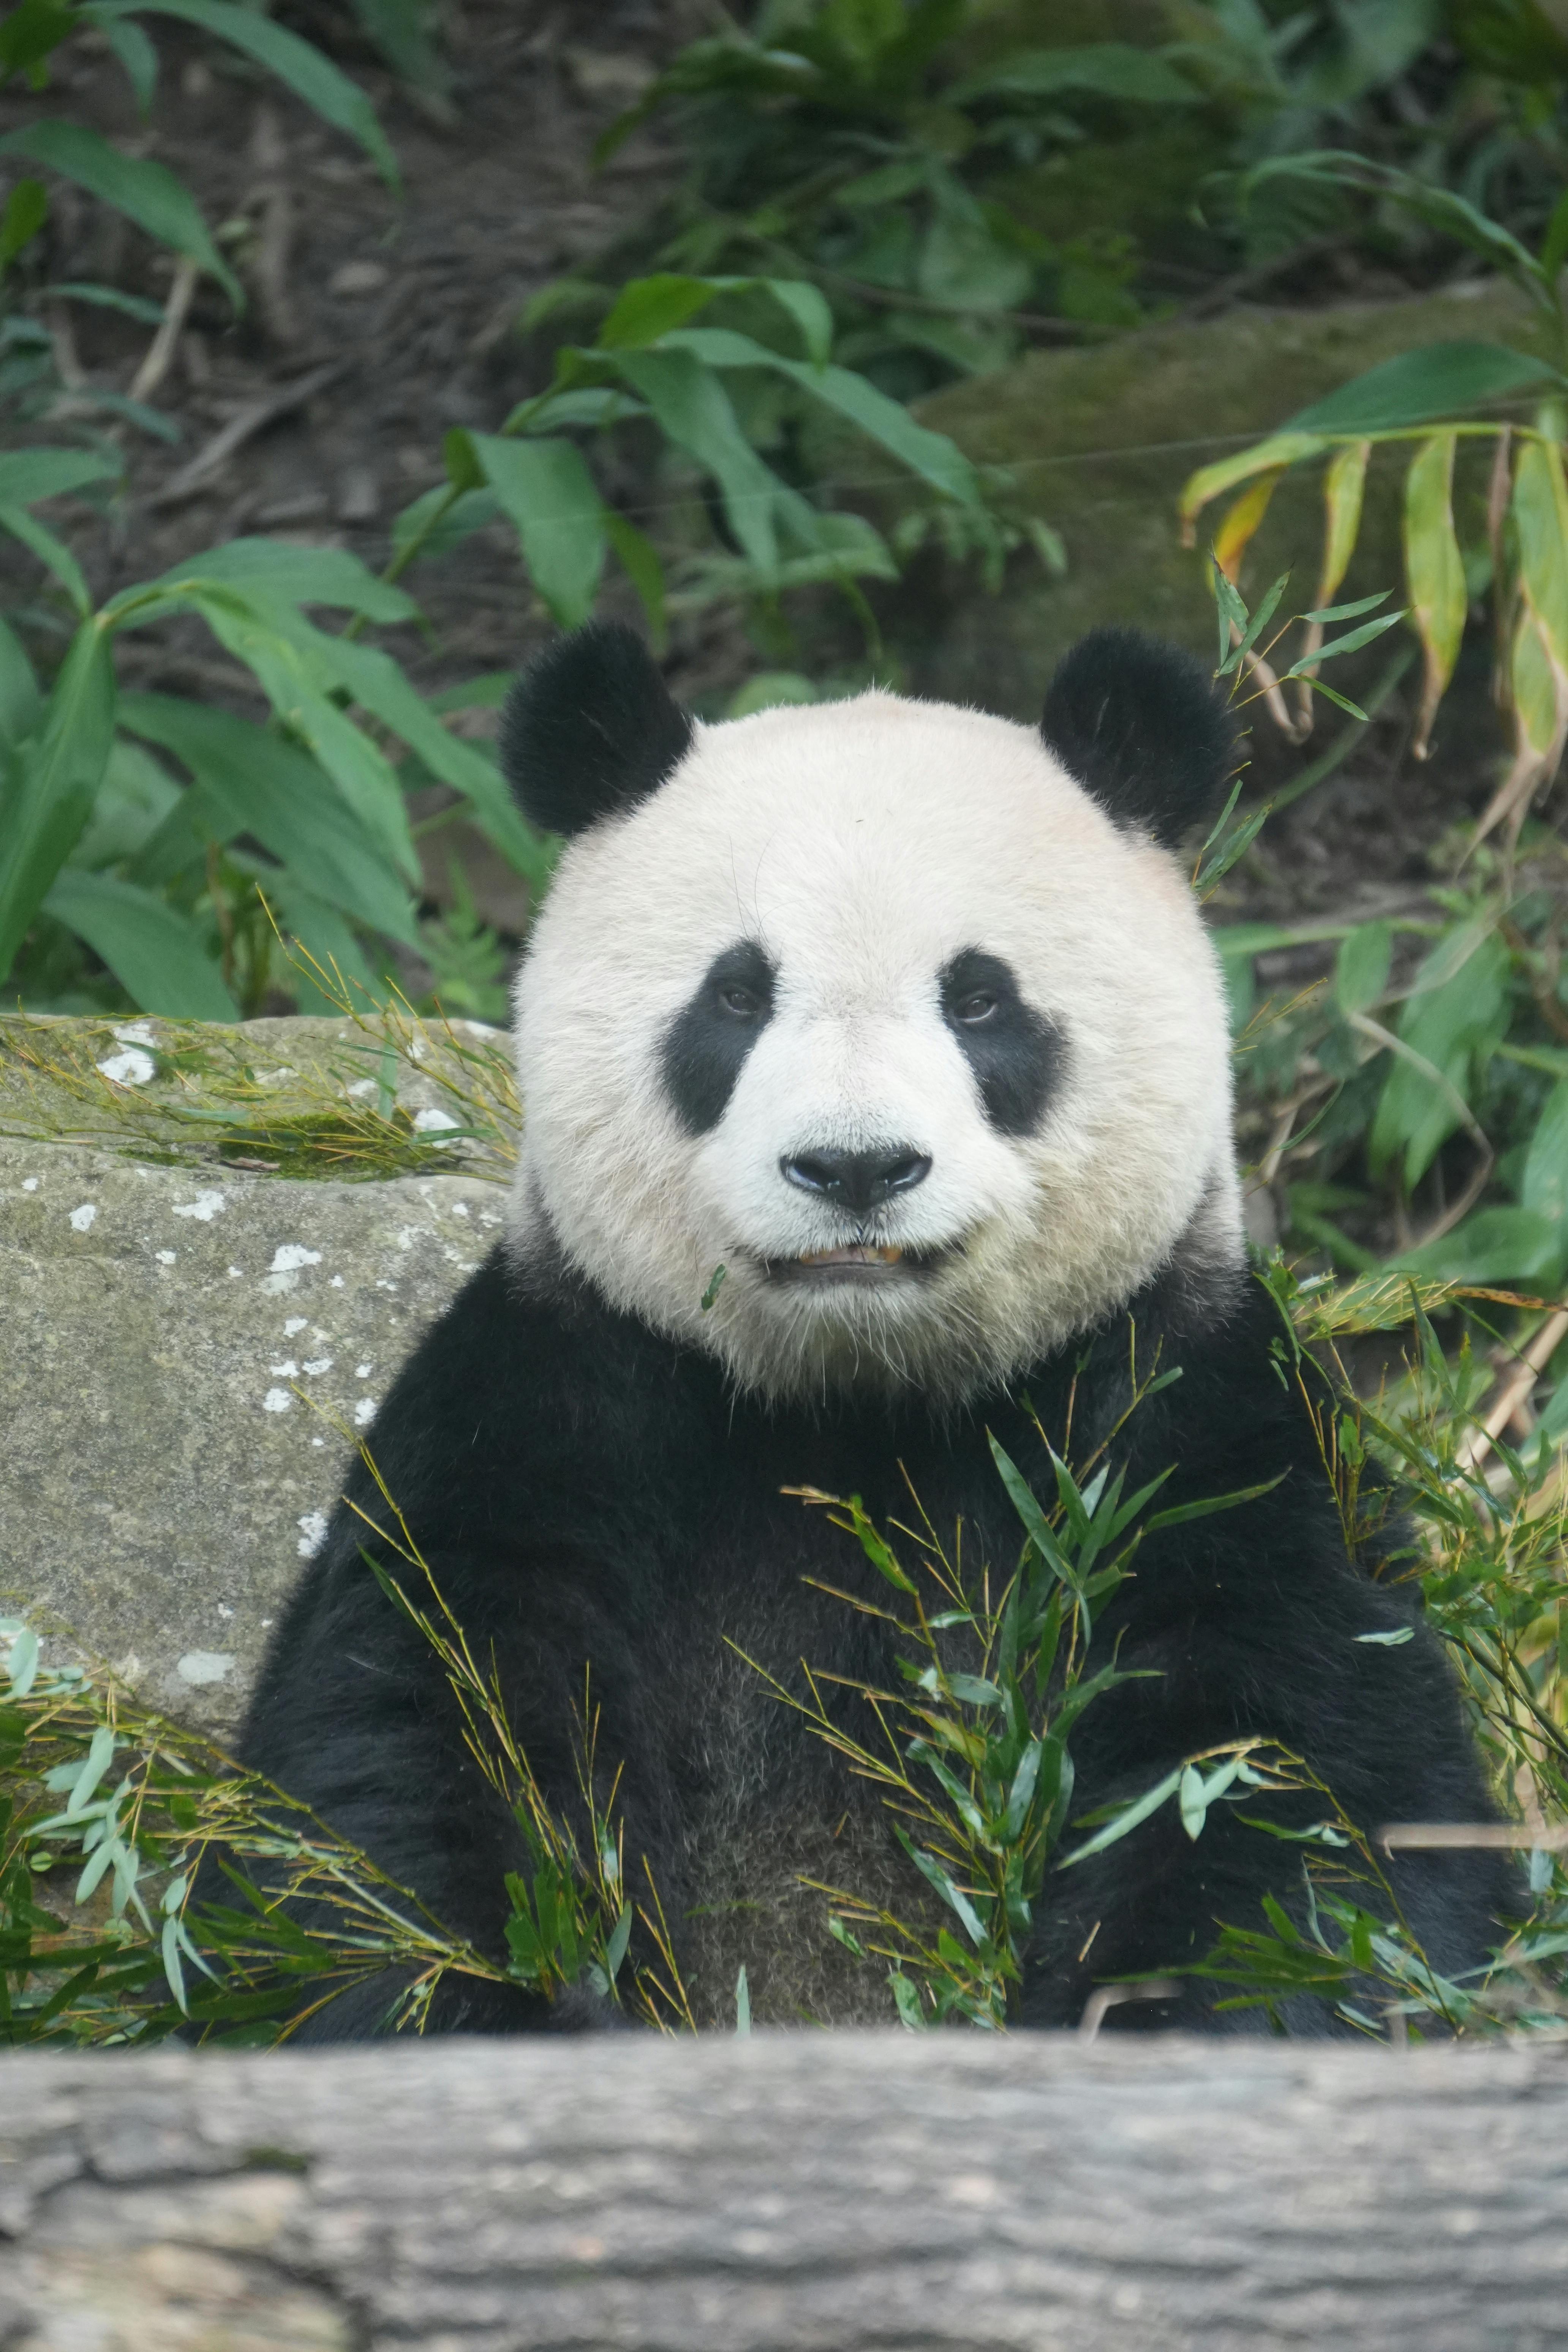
<point x="355" y="1716"/>
<point x="1117" y="1934"/>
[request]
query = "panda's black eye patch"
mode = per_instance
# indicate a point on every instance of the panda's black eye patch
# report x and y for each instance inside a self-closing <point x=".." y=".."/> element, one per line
<point x="1015" y="1053"/>
<point x="706" y="1045"/>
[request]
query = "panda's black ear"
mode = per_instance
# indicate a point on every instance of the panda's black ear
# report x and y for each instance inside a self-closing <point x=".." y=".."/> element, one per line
<point x="589" y="728"/>
<point x="1140" y="726"/>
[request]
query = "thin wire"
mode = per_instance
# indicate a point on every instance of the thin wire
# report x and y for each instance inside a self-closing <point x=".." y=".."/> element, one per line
<point x="1129" y="449"/>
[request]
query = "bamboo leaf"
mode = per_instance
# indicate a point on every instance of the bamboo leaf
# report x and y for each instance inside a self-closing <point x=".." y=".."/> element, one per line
<point x="1361" y="969"/>
<point x="1255" y="626"/>
<point x="1282" y="449"/>
<point x="639" y="560"/>
<point x="650" y="306"/>
<point x="263" y="786"/>
<point x="281" y="647"/>
<point x="1035" y="1525"/>
<point x="1554" y="244"/>
<point x="1128" y="1819"/>
<point x="59" y="775"/>
<point x="932" y="455"/>
<point x="22" y="1662"/>
<point x="1537" y="686"/>
<point x="51" y="552"/>
<point x="155" y="952"/>
<point x="1022" y="1793"/>
<point x="1541" y="522"/>
<point x="297" y="63"/>
<point x="1435" y="572"/>
<point x="1352" y="642"/>
<point x="305" y="575"/>
<point x="933" y="1873"/>
<point x="29" y="474"/>
<point x="546" y="490"/>
<point x="811" y="311"/>
<point x="1181" y="1513"/>
<point x="1231" y="615"/>
<point x="145" y="192"/>
<point x="620" y="1937"/>
<point x="1114" y="69"/>
<point x="1236" y="533"/>
<point x="1341" y="701"/>
<point x="694" y="410"/>
<point x="27" y="209"/>
<point x="1344" y="484"/>
<point x="1439" y="380"/>
<point x="1349" y="612"/>
<point x="20" y="701"/>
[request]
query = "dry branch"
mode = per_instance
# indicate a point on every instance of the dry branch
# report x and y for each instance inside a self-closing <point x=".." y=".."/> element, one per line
<point x="215" y="454"/>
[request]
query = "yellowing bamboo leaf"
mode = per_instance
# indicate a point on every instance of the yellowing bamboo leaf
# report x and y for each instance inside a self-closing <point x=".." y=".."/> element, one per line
<point x="1541" y="522"/>
<point x="1435" y="572"/>
<point x="1235" y="534"/>
<point x="1538" y="694"/>
<point x="1344" y="481"/>
<point x="1282" y="449"/>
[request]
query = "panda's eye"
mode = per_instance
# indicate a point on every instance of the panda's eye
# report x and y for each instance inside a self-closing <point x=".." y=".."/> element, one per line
<point x="976" y="1008"/>
<point x="744" y="1002"/>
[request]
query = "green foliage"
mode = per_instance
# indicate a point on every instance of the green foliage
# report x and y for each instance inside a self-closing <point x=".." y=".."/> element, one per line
<point x="147" y="192"/>
<point x="975" y="1765"/>
<point x="166" y="886"/>
<point x="864" y="147"/>
<point x="93" y="1784"/>
<point x="647" y="367"/>
<point x="105" y="1960"/>
<point x="164" y="883"/>
<point x="1486" y="1540"/>
<point x="181" y="879"/>
<point x="1476" y="1022"/>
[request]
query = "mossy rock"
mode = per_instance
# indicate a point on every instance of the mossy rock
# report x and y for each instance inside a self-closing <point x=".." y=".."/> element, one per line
<point x="1101" y="441"/>
<point x="217" y="1244"/>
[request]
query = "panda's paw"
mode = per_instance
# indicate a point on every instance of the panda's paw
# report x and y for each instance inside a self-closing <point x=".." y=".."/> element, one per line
<point x="578" y="2009"/>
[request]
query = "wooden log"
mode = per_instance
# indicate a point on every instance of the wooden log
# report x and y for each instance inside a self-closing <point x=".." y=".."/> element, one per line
<point x="836" y="2192"/>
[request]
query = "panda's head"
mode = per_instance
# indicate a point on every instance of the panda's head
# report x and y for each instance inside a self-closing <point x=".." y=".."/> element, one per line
<point x="902" y="1015"/>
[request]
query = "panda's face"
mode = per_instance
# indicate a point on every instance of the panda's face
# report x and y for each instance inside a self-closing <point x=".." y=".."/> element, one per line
<point x="872" y="1006"/>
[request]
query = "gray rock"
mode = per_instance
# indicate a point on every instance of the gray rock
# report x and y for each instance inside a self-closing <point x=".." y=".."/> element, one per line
<point x="190" y="1347"/>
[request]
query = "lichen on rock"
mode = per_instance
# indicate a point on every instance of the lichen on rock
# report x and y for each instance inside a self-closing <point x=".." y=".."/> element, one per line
<point x="195" y="1332"/>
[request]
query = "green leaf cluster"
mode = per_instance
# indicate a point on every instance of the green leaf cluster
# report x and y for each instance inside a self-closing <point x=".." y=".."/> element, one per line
<point x="975" y="1766"/>
<point x="306" y="815"/>
<point x="859" y="144"/>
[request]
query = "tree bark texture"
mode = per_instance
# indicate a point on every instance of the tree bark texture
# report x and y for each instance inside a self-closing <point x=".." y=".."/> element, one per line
<point x="806" y="2192"/>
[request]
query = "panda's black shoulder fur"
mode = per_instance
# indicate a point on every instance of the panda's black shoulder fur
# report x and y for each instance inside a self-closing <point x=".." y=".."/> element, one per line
<point x="1141" y="727"/>
<point x="590" y="728"/>
<point x="588" y="1495"/>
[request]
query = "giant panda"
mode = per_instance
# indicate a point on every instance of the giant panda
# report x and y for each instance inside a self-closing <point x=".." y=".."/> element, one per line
<point x="905" y="1016"/>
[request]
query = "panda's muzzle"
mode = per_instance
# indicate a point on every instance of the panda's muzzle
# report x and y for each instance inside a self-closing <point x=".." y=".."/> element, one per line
<point x="862" y="1182"/>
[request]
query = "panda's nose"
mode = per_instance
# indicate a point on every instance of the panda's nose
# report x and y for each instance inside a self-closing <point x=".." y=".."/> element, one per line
<point x="857" y="1179"/>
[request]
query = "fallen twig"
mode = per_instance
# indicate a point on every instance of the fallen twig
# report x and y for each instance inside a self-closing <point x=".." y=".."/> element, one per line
<point x="161" y="351"/>
<point x="251" y="420"/>
<point x="1512" y="1837"/>
<point x="1532" y="1363"/>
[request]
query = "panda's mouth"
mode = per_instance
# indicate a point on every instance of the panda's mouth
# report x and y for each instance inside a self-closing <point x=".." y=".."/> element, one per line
<point x="857" y="1262"/>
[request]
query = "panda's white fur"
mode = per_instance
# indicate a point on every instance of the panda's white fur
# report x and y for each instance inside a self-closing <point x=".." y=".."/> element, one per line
<point x="863" y="843"/>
